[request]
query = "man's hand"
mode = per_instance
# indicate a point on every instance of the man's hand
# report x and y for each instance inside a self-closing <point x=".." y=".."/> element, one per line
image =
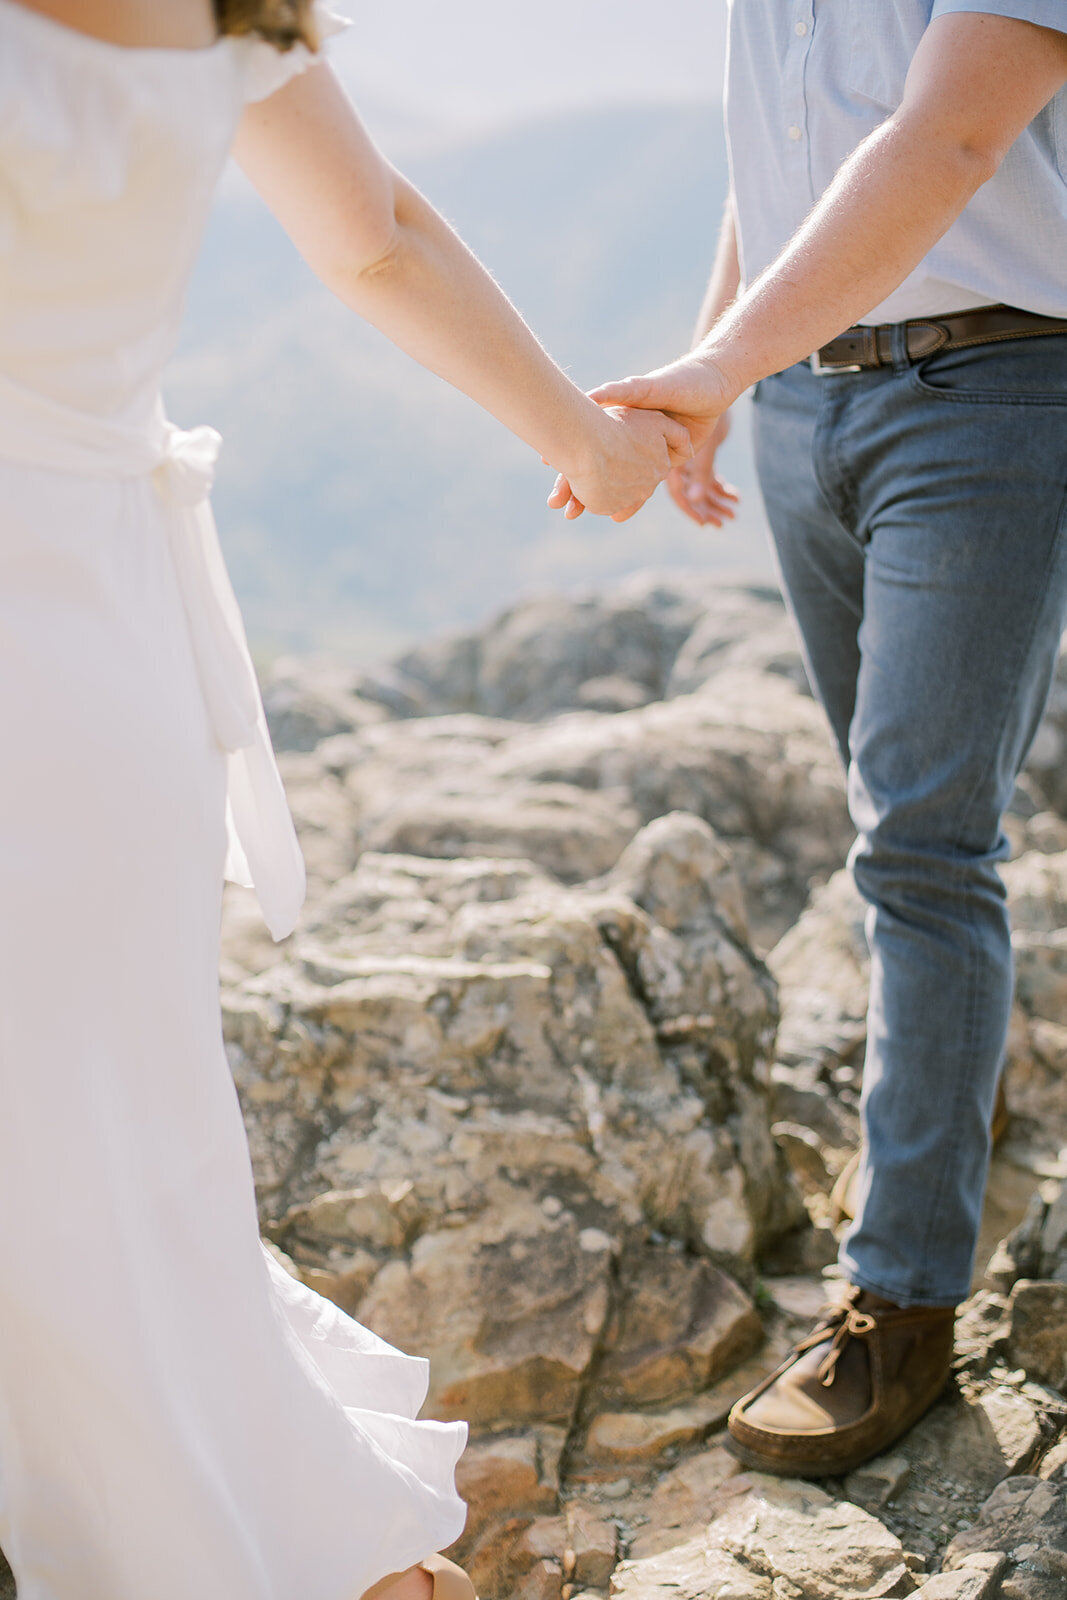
<point x="696" y="488"/>
<point x="694" y="390"/>
<point x="633" y="452"/>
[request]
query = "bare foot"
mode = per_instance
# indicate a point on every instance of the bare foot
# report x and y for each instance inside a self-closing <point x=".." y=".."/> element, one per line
<point x="414" y="1584"/>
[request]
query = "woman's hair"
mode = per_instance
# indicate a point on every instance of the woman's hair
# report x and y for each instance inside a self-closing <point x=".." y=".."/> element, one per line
<point x="283" y="23"/>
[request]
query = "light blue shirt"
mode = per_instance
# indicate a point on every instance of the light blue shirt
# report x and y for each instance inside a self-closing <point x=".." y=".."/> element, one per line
<point x="807" y="80"/>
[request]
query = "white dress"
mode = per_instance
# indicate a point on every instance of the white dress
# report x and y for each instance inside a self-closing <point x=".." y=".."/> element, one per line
<point x="178" y="1419"/>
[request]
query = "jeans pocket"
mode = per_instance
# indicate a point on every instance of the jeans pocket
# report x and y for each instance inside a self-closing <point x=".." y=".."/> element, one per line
<point x="1012" y="372"/>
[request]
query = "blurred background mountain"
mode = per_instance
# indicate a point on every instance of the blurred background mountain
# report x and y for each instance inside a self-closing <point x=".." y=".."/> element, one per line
<point x="364" y="504"/>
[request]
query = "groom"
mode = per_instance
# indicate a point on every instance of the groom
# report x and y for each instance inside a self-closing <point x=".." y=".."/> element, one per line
<point x="892" y="274"/>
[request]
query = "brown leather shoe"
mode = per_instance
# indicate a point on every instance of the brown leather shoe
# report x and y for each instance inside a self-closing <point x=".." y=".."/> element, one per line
<point x="860" y="1379"/>
<point x="843" y="1197"/>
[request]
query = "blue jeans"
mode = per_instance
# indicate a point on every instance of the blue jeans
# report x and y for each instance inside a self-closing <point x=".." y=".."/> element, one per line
<point x="920" y="519"/>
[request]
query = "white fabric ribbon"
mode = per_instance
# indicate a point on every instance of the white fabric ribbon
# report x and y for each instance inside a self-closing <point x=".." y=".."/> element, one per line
<point x="263" y="850"/>
<point x="184" y="479"/>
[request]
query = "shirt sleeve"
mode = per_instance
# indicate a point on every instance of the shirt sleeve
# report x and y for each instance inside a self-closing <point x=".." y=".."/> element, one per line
<point x="267" y="68"/>
<point x="1046" y="13"/>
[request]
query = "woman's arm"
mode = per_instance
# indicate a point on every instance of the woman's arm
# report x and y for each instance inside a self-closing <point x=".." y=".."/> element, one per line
<point x="383" y="250"/>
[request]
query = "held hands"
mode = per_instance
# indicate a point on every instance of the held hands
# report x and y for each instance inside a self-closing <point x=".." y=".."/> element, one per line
<point x="693" y="392"/>
<point x="633" y="451"/>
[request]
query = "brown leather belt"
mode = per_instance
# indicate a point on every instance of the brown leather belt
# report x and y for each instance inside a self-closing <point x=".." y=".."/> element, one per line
<point x="860" y="348"/>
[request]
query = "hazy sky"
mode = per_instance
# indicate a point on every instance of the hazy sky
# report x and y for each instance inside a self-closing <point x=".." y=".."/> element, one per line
<point x="487" y="59"/>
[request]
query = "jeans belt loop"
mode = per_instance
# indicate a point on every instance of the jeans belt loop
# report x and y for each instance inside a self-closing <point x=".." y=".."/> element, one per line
<point x="899" y="358"/>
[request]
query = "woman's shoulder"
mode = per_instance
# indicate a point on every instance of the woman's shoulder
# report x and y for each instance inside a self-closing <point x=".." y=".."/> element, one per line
<point x="268" y="69"/>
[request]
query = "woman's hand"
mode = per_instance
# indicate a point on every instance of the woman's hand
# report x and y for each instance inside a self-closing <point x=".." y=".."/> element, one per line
<point x="634" y="450"/>
<point x="696" y="488"/>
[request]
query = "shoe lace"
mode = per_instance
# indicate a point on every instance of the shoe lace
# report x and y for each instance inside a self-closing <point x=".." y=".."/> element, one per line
<point x="843" y="1323"/>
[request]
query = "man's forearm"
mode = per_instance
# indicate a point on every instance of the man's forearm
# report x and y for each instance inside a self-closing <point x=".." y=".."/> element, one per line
<point x="889" y="204"/>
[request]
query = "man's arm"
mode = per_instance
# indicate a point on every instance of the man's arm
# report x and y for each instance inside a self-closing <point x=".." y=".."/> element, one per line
<point x="975" y="83"/>
<point x="725" y="277"/>
<point x="695" y="486"/>
<point x="383" y="250"/>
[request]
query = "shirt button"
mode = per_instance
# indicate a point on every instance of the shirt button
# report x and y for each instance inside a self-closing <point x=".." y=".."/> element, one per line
<point x="795" y="133"/>
<point x="800" y="29"/>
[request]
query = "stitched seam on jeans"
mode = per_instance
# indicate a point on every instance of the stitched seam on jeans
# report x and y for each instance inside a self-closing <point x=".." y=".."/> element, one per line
<point x="825" y="442"/>
<point x="972" y="1009"/>
<point x="1000" y="338"/>
<point x="979" y="397"/>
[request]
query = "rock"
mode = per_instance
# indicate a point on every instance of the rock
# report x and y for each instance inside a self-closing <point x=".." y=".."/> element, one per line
<point x="769" y="1537"/>
<point x="1047" y="761"/>
<point x="1037" y="1247"/>
<point x="752" y="759"/>
<point x="568" y="832"/>
<point x="803" y="1150"/>
<point x="7" y="1580"/>
<point x="679" y="1504"/>
<point x="632" y="1440"/>
<point x="311" y="698"/>
<point x="656" y="634"/>
<point x="1037" y="1049"/>
<point x="1020" y="1254"/>
<point x="800" y="1252"/>
<point x="1025" y="1521"/>
<point x="680" y="1325"/>
<point x="877" y="1482"/>
<point x="1054" y="1464"/>
<point x="966" y="1583"/>
<point x="380" y="1216"/>
<point x="326" y="820"/>
<point x="783" y="1528"/>
<point x="536" y="658"/>
<point x="1054" y="1237"/>
<point x="592" y="1544"/>
<point x="504" y="1476"/>
<point x="543" y="1581"/>
<point x="800" y="1298"/>
<point x="521" y="1555"/>
<point x="451" y="1040"/>
<point x="680" y="873"/>
<point x="511" y="1039"/>
<point x="742" y="628"/>
<point x="822" y="970"/>
<point x="976" y="1444"/>
<point x="613" y="693"/>
<point x="1037" y="1340"/>
<point x="689" y="1571"/>
<point x="517" y="1306"/>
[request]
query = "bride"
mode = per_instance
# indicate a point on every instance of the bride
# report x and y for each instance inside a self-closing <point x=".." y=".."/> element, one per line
<point x="178" y="1419"/>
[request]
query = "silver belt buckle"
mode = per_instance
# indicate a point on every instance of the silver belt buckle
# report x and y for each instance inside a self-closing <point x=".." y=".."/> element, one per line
<point x="822" y="371"/>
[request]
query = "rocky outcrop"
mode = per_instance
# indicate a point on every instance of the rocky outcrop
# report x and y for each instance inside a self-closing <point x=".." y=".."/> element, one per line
<point x="560" y="730"/>
<point x="653" y="637"/>
<point x="523" y="1095"/>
